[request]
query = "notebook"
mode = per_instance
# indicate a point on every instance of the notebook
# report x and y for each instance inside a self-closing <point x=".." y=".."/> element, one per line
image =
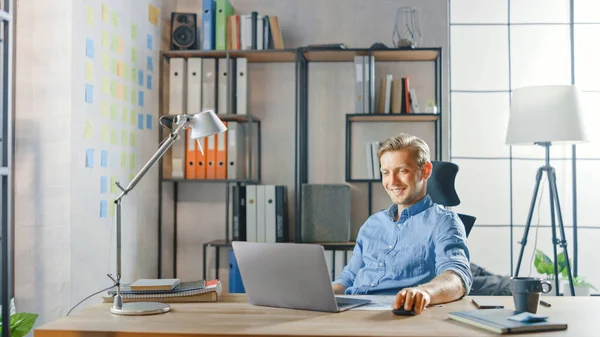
<point x="496" y="320"/>
<point x="197" y="291"/>
<point x="180" y="288"/>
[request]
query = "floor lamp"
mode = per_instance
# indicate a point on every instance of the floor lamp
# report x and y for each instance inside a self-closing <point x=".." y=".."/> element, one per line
<point x="203" y="124"/>
<point x="546" y="115"/>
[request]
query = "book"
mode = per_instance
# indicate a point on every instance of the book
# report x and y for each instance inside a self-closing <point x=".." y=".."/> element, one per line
<point x="497" y="320"/>
<point x="181" y="287"/>
<point x="155" y="284"/>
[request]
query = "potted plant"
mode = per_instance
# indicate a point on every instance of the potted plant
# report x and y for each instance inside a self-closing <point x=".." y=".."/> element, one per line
<point x="545" y="266"/>
<point x="20" y="322"/>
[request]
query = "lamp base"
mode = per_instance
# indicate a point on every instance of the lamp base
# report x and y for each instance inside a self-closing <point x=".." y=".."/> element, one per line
<point x="141" y="308"/>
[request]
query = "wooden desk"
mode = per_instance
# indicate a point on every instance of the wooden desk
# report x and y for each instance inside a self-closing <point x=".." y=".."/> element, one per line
<point x="233" y="317"/>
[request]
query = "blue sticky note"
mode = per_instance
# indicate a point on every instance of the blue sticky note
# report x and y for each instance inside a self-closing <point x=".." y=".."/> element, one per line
<point x="89" y="48"/>
<point x="103" y="208"/>
<point x="149" y="82"/>
<point x="89" y="93"/>
<point x="104" y="158"/>
<point x="103" y="184"/>
<point x="141" y="77"/>
<point x="150" y="65"/>
<point x="149" y="41"/>
<point x="89" y="158"/>
<point x="149" y="121"/>
<point x="141" y="98"/>
<point x="140" y="121"/>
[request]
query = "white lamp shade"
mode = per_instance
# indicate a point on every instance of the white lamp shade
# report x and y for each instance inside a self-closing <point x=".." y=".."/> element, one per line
<point x="551" y="113"/>
<point x="206" y="123"/>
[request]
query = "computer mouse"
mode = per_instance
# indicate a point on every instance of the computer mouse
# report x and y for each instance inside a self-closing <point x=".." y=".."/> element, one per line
<point x="403" y="312"/>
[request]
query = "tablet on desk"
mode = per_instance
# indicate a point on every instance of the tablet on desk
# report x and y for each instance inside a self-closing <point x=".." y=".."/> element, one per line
<point x="483" y="303"/>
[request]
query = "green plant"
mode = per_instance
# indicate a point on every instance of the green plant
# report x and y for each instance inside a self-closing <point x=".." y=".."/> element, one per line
<point x="545" y="266"/>
<point x="21" y="323"/>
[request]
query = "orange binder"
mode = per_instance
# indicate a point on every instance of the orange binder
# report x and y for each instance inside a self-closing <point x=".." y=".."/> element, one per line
<point x="190" y="155"/>
<point x="222" y="154"/>
<point x="201" y="159"/>
<point x="211" y="157"/>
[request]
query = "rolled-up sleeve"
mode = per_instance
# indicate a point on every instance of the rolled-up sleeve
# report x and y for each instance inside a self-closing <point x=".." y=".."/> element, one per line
<point x="451" y="251"/>
<point x="348" y="274"/>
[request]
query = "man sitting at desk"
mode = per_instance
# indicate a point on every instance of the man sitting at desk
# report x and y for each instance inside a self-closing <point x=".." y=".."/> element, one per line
<point x="415" y="248"/>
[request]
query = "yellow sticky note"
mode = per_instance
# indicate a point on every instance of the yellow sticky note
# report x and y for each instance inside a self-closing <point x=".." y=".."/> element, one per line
<point x="124" y="115"/>
<point x="105" y="39"/>
<point x="113" y="88"/>
<point x="89" y="15"/>
<point x="120" y="90"/>
<point x="104" y="134"/>
<point x="131" y="176"/>
<point x="132" y="138"/>
<point x="153" y="13"/>
<point x="113" y="185"/>
<point x="133" y="55"/>
<point x="105" y="108"/>
<point x="121" y="46"/>
<point x="113" y="67"/>
<point x="132" y="115"/>
<point x="124" y="138"/>
<point x="125" y="71"/>
<point x="105" y="62"/>
<point x="113" y="137"/>
<point x="133" y="32"/>
<point x="123" y="160"/>
<point x="132" y="97"/>
<point x="105" y="86"/>
<point x="115" y="18"/>
<point x="111" y="208"/>
<point x="104" y="12"/>
<point x="113" y="111"/>
<point x="132" y="160"/>
<point x="119" y="68"/>
<point x="114" y="43"/>
<point x="133" y="75"/>
<point x="89" y="71"/>
<point x="87" y="129"/>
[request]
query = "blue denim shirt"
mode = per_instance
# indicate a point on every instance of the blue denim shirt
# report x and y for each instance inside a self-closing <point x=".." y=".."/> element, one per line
<point x="426" y="240"/>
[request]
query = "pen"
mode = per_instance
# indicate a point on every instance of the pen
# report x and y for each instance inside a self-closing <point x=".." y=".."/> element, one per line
<point x="544" y="303"/>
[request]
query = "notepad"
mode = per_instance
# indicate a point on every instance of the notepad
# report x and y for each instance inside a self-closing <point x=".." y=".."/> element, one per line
<point x="154" y="284"/>
<point x="497" y="320"/>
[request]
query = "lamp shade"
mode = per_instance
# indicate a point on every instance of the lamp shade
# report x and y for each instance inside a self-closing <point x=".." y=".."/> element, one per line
<point x="206" y="123"/>
<point x="551" y="113"/>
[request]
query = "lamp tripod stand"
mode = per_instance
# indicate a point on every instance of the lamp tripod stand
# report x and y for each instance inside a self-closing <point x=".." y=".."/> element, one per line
<point x="555" y="214"/>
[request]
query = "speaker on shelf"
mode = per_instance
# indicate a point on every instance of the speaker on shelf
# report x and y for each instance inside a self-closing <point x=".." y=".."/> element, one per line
<point x="184" y="31"/>
<point x="325" y="213"/>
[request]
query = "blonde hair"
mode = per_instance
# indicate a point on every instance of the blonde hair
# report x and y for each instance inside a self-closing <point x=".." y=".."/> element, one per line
<point x="404" y="141"/>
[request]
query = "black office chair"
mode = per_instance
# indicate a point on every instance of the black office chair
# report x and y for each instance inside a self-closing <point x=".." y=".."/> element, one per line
<point x="440" y="187"/>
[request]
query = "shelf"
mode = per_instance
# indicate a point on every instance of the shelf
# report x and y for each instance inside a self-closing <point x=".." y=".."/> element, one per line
<point x="413" y="117"/>
<point x="347" y="55"/>
<point x="326" y="245"/>
<point x="237" y="118"/>
<point x="205" y="181"/>
<point x="270" y="55"/>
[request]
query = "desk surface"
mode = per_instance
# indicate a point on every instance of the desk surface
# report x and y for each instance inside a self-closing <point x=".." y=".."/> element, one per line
<point x="232" y="316"/>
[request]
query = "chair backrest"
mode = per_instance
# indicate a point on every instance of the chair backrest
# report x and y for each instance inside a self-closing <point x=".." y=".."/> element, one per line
<point x="440" y="187"/>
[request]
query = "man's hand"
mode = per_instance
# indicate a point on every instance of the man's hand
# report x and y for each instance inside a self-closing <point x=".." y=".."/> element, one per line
<point x="416" y="299"/>
<point x="338" y="288"/>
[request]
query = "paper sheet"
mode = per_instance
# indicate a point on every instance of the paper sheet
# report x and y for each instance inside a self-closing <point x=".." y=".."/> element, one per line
<point x="378" y="302"/>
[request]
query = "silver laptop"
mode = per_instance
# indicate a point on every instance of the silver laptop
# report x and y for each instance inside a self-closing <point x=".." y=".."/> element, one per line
<point x="288" y="275"/>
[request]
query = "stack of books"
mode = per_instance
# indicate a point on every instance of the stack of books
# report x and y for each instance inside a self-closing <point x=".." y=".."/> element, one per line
<point x="194" y="291"/>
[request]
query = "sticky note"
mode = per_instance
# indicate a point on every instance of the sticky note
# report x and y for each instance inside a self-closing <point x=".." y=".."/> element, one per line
<point x="105" y="62"/>
<point x="134" y="32"/>
<point x="149" y="82"/>
<point x="141" y="98"/>
<point x="133" y="117"/>
<point x="133" y="55"/>
<point x="132" y="160"/>
<point x="89" y="93"/>
<point x="89" y="72"/>
<point x="133" y="95"/>
<point x="124" y="138"/>
<point x="132" y="138"/>
<point x="121" y="47"/>
<point x="113" y="88"/>
<point x="140" y="121"/>
<point x="140" y="77"/>
<point x="150" y="65"/>
<point x="113" y="185"/>
<point x="111" y="209"/>
<point x="149" y="41"/>
<point x="104" y="133"/>
<point x="119" y="68"/>
<point x="113" y="66"/>
<point x="89" y="15"/>
<point x="125" y="93"/>
<point x="115" y="18"/>
<point x="104" y="158"/>
<point x="105" y="86"/>
<point x="153" y="14"/>
<point x="113" y="137"/>
<point x="103" y="206"/>
<point x="123" y="160"/>
<point x="133" y="75"/>
<point x="126" y="71"/>
<point x="89" y="158"/>
<point x="105" y="39"/>
<point x="89" y="48"/>
<point x="87" y="129"/>
<point x="114" y="43"/>
<point x="104" y="108"/>
<point x="120" y="90"/>
<point x="124" y="115"/>
<point x="104" y="12"/>
<point x="103" y="184"/>
<point x="149" y="121"/>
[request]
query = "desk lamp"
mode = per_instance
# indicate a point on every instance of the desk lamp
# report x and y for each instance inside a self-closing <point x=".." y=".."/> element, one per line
<point x="203" y="124"/>
<point x="543" y="115"/>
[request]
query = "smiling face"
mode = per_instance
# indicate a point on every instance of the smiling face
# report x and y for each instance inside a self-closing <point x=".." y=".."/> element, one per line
<point x="402" y="178"/>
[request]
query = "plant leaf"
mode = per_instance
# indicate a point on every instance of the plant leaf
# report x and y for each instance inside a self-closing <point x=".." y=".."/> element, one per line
<point x="21" y="323"/>
<point x="542" y="263"/>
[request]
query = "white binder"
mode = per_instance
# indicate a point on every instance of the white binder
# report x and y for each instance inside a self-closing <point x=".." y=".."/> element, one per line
<point x="194" y="85"/>
<point x="359" y="95"/>
<point x="270" y="215"/>
<point x="236" y="145"/>
<point x="260" y="213"/>
<point x="241" y="82"/>
<point x="246" y="31"/>
<point x="376" y="166"/>
<point x="225" y="65"/>
<point x="209" y="83"/>
<point x="251" y="234"/>
<point x="177" y="105"/>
